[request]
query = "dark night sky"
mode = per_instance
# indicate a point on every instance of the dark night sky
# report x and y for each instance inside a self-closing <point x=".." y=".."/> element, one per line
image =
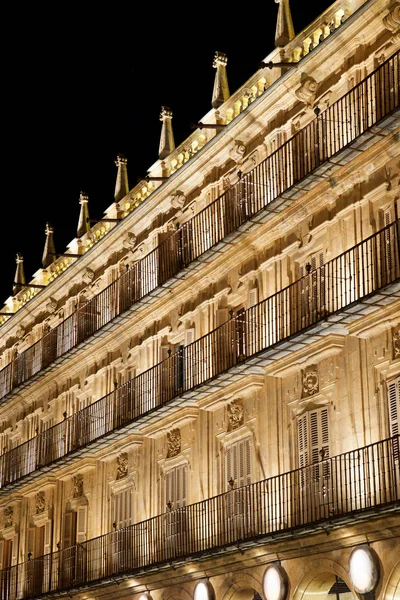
<point x="80" y="87"/>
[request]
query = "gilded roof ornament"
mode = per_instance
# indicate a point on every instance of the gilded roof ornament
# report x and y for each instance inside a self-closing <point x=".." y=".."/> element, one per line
<point x="121" y="184"/>
<point x="83" y="223"/>
<point x="221" y="87"/>
<point x="167" y="142"/>
<point x="284" y="24"/>
<point x="49" y="249"/>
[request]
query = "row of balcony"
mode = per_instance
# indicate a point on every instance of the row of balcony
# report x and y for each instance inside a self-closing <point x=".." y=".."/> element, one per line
<point x="342" y="487"/>
<point x="344" y="281"/>
<point x="312" y="148"/>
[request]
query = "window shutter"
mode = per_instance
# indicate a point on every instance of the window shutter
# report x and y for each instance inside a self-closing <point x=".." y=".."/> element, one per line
<point x="189" y="336"/>
<point x="81" y="524"/>
<point x="253" y="297"/>
<point x="314" y="437"/>
<point x="169" y="487"/>
<point x="394" y="413"/>
<point x="229" y="473"/>
<point x="303" y="441"/>
<point x="181" y="486"/>
<point x="2" y="545"/>
<point x="123" y="508"/>
<point x="244" y="466"/>
<point x="47" y="537"/>
<point x="69" y="524"/>
<point x="222" y="316"/>
<point x="14" y="550"/>
<point x="31" y="542"/>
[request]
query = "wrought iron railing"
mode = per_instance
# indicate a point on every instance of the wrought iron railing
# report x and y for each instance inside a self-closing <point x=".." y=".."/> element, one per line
<point x="344" y="485"/>
<point x="376" y="97"/>
<point x="356" y="274"/>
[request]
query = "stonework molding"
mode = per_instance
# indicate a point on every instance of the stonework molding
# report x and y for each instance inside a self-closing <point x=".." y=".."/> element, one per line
<point x="129" y="241"/>
<point x="307" y="91"/>
<point x="173" y="442"/>
<point x="178" y="199"/>
<point x="20" y="333"/>
<point x="392" y="20"/>
<point x="396" y="342"/>
<point x="235" y="415"/>
<point x="40" y="502"/>
<point x="77" y="483"/>
<point x="122" y="465"/>
<point x="51" y="306"/>
<point x="8" y="516"/>
<point x="310" y="381"/>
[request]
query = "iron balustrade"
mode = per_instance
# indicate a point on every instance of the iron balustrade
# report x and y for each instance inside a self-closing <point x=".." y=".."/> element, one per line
<point x="373" y="99"/>
<point x="347" y="279"/>
<point x="345" y="485"/>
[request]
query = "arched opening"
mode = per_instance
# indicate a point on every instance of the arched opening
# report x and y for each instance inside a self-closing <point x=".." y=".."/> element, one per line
<point x="328" y="586"/>
<point x="246" y="593"/>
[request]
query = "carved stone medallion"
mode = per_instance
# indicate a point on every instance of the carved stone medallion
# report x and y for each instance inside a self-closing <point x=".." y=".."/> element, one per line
<point x="235" y="415"/>
<point x="78" y="485"/>
<point x="122" y="465"/>
<point x="8" y="516"/>
<point x="396" y="342"/>
<point x="173" y="442"/>
<point x="310" y="382"/>
<point x="40" y="502"/>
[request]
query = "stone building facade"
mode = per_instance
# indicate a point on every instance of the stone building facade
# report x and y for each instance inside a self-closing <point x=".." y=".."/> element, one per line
<point x="201" y="397"/>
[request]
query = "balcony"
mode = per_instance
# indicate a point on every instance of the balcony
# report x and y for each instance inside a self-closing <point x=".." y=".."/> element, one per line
<point x="344" y="129"/>
<point x="340" y="489"/>
<point x="347" y="284"/>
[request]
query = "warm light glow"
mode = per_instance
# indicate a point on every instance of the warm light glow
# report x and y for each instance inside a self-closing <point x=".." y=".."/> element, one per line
<point x="275" y="583"/>
<point x="363" y="570"/>
<point x="203" y="591"/>
<point x="145" y="597"/>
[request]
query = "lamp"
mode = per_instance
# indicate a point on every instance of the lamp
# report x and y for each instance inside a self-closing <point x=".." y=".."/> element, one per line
<point x="364" y="569"/>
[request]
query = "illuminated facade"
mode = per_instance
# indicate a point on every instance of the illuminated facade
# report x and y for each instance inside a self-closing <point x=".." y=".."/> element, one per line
<point x="200" y="397"/>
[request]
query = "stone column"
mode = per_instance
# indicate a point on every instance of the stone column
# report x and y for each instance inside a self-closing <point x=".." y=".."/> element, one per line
<point x="167" y="142"/>
<point x="284" y="24"/>
<point x="121" y="184"/>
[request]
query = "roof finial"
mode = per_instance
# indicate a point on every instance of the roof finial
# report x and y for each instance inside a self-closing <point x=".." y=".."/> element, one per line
<point x="121" y="184"/>
<point x="284" y="24"/>
<point x="167" y="142"/>
<point x="83" y="223"/>
<point x="49" y="249"/>
<point x="221" y="87"/>
<point x="19" y="279"/>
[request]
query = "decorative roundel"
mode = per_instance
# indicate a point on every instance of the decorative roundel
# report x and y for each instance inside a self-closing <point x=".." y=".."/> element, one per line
<point x="275" y="583"/>
<point x="204" y="591"/>
<point x="364" y="569"/>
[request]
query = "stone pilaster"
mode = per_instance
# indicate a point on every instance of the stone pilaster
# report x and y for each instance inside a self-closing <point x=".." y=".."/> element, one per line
<point x="121" y="184"/>
<point x="83" y="223"/>
<point x="49" y="248"/>
<point x="284" y="24"/>
<point x="221" y="87"/>
<point x="167" y="142"/>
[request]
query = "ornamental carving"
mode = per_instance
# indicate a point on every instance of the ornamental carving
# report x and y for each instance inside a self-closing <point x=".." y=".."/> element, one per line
<point x="310" y="382"/>
<point x="88" y="275"/>
<point x="40" y="503"/>
<point x="238" y="151"/>
<point x="178" y="199"/>
<point x="51" y="306"/>
<point x="8" y="516"/>
<point x="396" y="342"/>
<point x="392" y="20"/>
<point x="235" y="415"/>
<point x="129" y="241"/>
<point x="307" y="91"/>
<point x="173" y="442"/>
<point x="77" y="483"/>
<point x="122" y="465"/>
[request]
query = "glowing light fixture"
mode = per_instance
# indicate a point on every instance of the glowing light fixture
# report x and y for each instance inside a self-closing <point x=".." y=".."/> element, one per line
<point x="204" y="591"/>
<point x="145" y="596"/>
<point x="275" y="583"/>
<point x="364" y="569"/>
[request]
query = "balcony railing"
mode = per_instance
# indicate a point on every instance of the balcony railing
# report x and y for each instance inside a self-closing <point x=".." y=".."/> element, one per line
<point x="350" y="277"/>
<point x="369" y="102"/>
<point x="326" y="491"/>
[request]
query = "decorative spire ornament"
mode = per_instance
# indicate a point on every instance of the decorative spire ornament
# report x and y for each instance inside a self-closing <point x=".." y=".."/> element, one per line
<point x="221" y="87"/>
<point x="167" y="142"/>
<point x="284" y="24"/>
<point x="121" y="184"/>
<point x="49" y="249"/>
<point x="83" y="223"/>
<point x="19" y="279"/>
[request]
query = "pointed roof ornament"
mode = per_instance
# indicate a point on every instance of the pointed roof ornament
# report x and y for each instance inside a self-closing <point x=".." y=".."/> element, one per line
<point x="284" y="24"/>
<point x="167" y="142"/>
<point x="49" y="249"/>
<point x="83" y="223"/>
<point x="121" y="184"/>
<point x="221" y="87"/>
<point x="19" y="279"/>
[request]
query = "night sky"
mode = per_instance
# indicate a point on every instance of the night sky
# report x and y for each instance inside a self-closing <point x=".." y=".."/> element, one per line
<point x="81" y="87"/>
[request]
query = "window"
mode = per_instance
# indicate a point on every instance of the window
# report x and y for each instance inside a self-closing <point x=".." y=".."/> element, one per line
<point x="313" y="439"/>
<point x="312" y="275"/>
<point x="239" y="511"/>
<point x="121" y="538"/>
<point x="175" y="499"/>
<point x="73" y="556"/>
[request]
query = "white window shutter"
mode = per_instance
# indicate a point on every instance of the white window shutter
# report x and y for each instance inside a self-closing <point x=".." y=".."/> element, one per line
<point x="394" y="413"/>
<point x="30" y="548"/>
<point x="253" y="297"/>
<point x="176" y="486"/>
<point x="81" y="524"/>
<point x="229" y="472"/>
<point x="47" y="537"/>
<point x="189" y="336"/>
<point x="123" y="508"/>
<point x="14" y="550"/>
<point x="303" y="441"/>
<point x="69" y="523"/>
<point x="238" y="462"/>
